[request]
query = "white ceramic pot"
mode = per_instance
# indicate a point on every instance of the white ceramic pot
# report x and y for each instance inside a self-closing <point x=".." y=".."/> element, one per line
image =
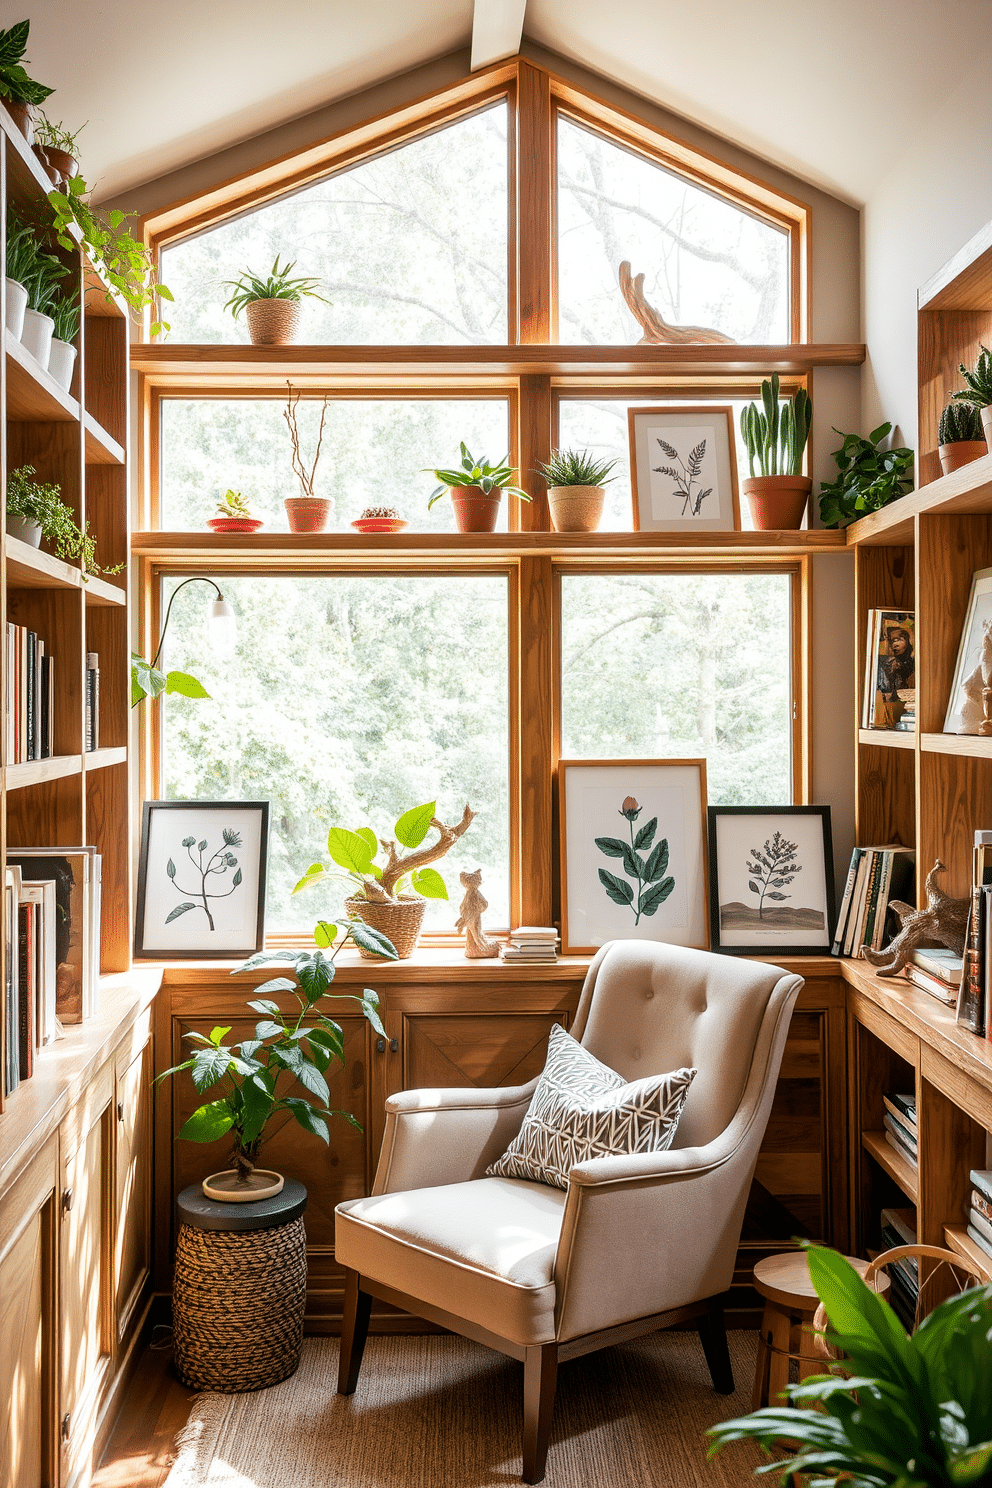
<point x="36" y="336"/>
<point x="16" y="303"/>
<point x="61" y="361"/>
<point x="25" y="529"/>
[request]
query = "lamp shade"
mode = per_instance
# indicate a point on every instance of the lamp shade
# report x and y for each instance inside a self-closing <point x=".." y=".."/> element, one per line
<point x="222" y="627"/>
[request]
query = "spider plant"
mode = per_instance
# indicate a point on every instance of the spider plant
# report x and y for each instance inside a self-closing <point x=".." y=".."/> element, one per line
<point x="65" y="313"/>
<point x="473" y="472"/>
<point x="576" y="468"/>
<point x="278" y="285"/>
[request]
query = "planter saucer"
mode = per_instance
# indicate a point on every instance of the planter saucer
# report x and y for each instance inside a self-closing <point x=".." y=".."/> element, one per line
<point x="227" y="1188"/>
<point x="234" y="524"/>
<point x="380" y="524"/>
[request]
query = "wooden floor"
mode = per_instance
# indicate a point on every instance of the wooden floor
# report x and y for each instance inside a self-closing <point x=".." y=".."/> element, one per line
<point x="156" y="1408"/>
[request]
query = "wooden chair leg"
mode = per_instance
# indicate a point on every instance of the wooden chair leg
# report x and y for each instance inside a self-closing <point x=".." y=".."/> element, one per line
<point x="540" y="1383"/>
<point x="354" y="1331"/>
<point x="713" y="1336"/>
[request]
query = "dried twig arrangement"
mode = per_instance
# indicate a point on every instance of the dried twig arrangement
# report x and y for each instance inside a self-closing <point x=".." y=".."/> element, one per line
<point x="305" y="477"/>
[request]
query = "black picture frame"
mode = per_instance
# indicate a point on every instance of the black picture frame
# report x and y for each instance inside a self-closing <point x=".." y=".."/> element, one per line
<point x="197" y="946"/>
<point x="781" y="944"/>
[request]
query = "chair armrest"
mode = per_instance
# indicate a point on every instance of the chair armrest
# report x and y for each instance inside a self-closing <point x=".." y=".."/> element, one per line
<point x="434" y="1137"/>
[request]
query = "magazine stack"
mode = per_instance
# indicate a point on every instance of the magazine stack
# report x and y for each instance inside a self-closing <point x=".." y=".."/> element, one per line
<point x="531" y="943"/>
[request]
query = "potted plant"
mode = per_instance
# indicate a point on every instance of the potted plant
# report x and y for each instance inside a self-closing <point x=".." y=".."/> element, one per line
<point x="960" y="436"/>
<point x="36" y="511"/>
<point x="391" y="898"/>
<point x="288" y="1049"/>
<point x="308" y="512"/>
<point x="57" y="148"/>
<point x="39" y="324"/>
<point x="22" y="253"/>
<point x="868" y="479"/>
<point x="775" y="439"/>
<point x="914" y="1413"/>
<point x="979" y="389"/>
<point x="576" y="481"/>
<point x="271" y="306"/>
<point x="380" y="519"/>
<point x="19" y="93"/>
<point x="125" y="265"/>
<point x="65" y="329"/>
<point x="234" y="514"/>
<point x="476" y="490"/>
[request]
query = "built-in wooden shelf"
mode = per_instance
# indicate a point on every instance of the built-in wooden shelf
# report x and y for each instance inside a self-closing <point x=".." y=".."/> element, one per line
<point x="100" y="759"/>
<point x="33" y="396"/>
<point x="965" y="281"/>
<point x="964" y="492"/>
<point x="31" y="568"/>
<point x="972" y="746"/>
<point x="887" y="738"/>
<point x="35" y="772"/>
<point x="956" y="1238"/>
<point x="888" y="1158"/>
<point x="102" y="592"/>
<point x="100" y="448"/>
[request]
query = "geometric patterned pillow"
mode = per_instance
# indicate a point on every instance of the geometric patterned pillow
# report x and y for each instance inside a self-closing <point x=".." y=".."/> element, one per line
<point x="582" y="1109"/>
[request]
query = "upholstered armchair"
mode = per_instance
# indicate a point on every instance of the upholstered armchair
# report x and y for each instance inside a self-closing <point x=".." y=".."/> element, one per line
<point x="636" y="1242"/>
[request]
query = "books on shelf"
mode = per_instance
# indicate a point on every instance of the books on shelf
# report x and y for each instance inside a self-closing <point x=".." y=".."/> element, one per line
<point x="889" y="693"/>
<point x="531" y="943"/>
<point x="31" y="983"/>
<point x="899" y="1228"/>
<point x="76" y="874"/>
<point x="91" y="722"/>
<point x="900" y="1125"/>
<point x="30" y="672"/>
<point x="980" y="1212"/>
<point x="974" y="1000"/>
<point x="876" y="876"/>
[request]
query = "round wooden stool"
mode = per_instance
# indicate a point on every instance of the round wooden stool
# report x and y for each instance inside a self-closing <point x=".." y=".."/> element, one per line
<point x="790" y="1302"/>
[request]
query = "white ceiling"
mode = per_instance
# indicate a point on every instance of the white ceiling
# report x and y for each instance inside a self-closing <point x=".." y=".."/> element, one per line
<point x="835" y="91"/>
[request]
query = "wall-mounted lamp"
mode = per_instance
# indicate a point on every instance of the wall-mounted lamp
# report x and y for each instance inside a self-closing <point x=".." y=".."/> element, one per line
<point x="222" y="625"/>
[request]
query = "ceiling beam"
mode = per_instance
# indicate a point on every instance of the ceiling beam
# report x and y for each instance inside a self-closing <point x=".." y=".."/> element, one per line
<point x="497" y="28"/>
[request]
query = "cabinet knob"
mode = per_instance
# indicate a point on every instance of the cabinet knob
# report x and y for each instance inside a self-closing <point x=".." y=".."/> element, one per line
<point x="120" y="1110"/>
<point x="66" y="1206"/>
<point x="66" y="1426"/>
<point x="380" y="1045"/>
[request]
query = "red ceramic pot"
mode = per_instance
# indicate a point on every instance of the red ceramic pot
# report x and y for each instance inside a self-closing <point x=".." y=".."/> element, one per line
<point x="475" y="510"/>
<point x="234" y="524"/>
<point x="777" y="502"/>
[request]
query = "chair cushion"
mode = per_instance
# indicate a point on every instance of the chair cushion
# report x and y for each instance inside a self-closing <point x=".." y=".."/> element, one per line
<point x="483" y="1250"/>
<point x="582" y="1109"/>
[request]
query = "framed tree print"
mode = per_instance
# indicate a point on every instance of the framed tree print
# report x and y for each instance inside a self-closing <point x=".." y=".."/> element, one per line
<point x="771" y="880"/>
<point x="633" y="852"/>
<point x="201" y="879"/>
<point x="683" y="470"/>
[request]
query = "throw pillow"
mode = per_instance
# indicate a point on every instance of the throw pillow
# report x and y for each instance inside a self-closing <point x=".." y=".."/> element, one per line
<point x="582" y="1109"/>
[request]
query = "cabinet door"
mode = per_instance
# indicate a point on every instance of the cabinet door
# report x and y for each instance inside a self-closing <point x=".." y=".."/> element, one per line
<point x="448" y="1050"/>
<point x="132" y="1244"/>
<point x="27" y="1325"/>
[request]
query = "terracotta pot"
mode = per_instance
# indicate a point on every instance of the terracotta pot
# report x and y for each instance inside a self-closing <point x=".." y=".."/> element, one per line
<point x="61" y="360"/>
<point x="15" y="304"/>
<point x="61" y="161"/>
<point x="962" y="452"/>
<point x="51" y="171"/>
<point x="234" y="524"/>
<point x="576" y="508"/>
<point x="475" y="511"/>
<point x="23" y="115"/>
<point x="308" y="513"/>
<point x="399" y="923"/>
<point x="36" y="336"/>
<point x="272" y="322"/>
<point x="777" y="502"/>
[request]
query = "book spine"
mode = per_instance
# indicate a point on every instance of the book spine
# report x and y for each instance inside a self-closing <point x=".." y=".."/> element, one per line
<point x="971" y="999"/>
<point x="871" y="900"/>
<point x="93" y="685"/>
<point x="882" y="909"/>
<point x="32" y="640"/>
<point x="88" y="720"/>
<point x="39" y="662"/>
<point x="845" y="903"/>
<point x="856" y="900"/>
<point x="24" y="1049"/>
<point x="943" y="991"/>
<point x="982" y="1204"/>
<point x="979" y="1239"/>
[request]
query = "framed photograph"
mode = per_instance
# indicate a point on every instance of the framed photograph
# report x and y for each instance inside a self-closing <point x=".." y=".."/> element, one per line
<point x="771" y="880"/>
<point x="201" y="879"/>
<point x="977" y="616"/>
<point x="683" y="470"/>
<point x="890" y="671"/>
<point x="633" y="852"/>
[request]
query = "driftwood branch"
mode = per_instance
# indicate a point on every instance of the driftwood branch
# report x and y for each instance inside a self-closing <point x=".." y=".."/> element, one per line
<point x="656" y="329"/>
<point x="396" y="866"/>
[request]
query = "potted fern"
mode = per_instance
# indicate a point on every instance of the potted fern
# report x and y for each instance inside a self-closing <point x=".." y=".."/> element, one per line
<point x="979" y="389"/>
<point x="775" y="437"/>
<point x="271" y="304"/>
<point x="576" y="481"/>
<point x="476" y="489"/>
<point x="960" y="436"/>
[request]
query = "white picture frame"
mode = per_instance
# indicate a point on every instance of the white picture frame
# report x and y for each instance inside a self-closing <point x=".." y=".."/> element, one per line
<point x="970" y="646"/>
<point x="683" y="469"/>
<point x="591" y="798"/>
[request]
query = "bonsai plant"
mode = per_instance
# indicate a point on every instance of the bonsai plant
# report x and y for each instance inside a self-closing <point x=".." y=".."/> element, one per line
<point x="775" y="437"/>
<point x="36" y="511"/>
<point x="390" y="897"/>
<point x="868" y="479"/>
<point x="233" y="513"/>
<point x="307" y="512"/>
<point x="960" y="437"/>
<point x="19" y="93"/>
<point x="476" y="489"/>
<point x="271" y="306"/>
<point x="65" y="329"/>
<point x="575" y="489"/>
<point x="979" y="389"/>
<point x="258" y="1074"/>
<point x="125" y="265"/>
<point x="915" y="1413"/>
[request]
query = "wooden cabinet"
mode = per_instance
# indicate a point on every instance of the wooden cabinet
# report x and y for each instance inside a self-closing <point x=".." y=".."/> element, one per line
<point x="28" y="1278"/>
<point x="132" y="1184"/>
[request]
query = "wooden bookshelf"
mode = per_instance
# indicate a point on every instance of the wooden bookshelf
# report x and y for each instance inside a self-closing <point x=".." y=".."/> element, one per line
<point x="889" y="1160"/>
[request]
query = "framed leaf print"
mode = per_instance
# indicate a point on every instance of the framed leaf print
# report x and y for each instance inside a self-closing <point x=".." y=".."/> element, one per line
<point x="771" y="880"/>
<point x="633" y="852"/>
<point x="683" y="470"/>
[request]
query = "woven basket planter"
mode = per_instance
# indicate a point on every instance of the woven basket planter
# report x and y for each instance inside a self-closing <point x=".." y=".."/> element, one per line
<point x="399" y="923"/>
<point x="576" y="508"/>
<point x="237" y="1306"/>
<point x="272" y="322"/>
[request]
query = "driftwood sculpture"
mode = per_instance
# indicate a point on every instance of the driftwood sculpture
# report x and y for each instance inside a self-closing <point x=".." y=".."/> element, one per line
<point x="657" y="331"/>
<point x="944" y="922"/>
<point x="473" y="907"/>
<point x="383" y="890"/>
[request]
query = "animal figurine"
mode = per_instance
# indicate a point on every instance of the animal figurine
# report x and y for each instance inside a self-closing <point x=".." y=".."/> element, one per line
<point x="943" y="922"/>
<point x="477" y="946"/>
<point x="656" y="329"/>
<point x="978" y="690"/>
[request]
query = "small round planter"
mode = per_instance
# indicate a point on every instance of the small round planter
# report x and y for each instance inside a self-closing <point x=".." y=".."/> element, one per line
<point x="234" y="524"/>
<point x="228" y="1188"/>
<point x="576" y="508"/>
<point x="61" y="361"/>
<point x="15" y="304"/>
<point x="62" y="162"/>
<point x="475" y="510"/>
<point x="400" y="923"/>
<point x="308" y="513"/>
<point x="953" y="456"/>
<point x="23" y="115"/>
<point x="272" y="322"/>
<point x="25" y="529"/>
<point x="36" y="337"/>
<point x="380" y="524"/>
<point x="777" y="502"/>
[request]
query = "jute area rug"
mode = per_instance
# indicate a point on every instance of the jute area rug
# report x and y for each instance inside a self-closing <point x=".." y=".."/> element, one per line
<point x="436" y="1410"/>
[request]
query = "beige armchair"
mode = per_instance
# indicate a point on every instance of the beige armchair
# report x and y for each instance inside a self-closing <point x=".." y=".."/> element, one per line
<point x="636" y="1243"/>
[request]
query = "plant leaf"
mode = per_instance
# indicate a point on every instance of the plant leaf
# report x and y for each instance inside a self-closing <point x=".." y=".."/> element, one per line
<point x="208" y="1122"/>
<point x="657" y="863"/>
<point x="619" y="890"/>
<point x="645" y="836"/>
<point x="428" y="881"/>
<point x="611" y="846"/>
<point x="413" y="825"/>
<point x="349" y="850"/>
<point x="184" y="684"/>
<point x="655" y="896"/>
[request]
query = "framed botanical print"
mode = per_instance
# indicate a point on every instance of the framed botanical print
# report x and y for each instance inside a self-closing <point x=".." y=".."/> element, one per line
<point x="771" y="880"/>
<point x="633" y="852"/>
<point x="683" y="470"/>
<point x="201" y="879"/>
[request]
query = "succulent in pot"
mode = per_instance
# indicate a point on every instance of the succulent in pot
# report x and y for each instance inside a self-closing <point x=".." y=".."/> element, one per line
<point x="233" y="513"/>
<point x="271" y="305"/>
<point x="391" y="897"/>
<point x="960" y="438"/>
<point x="19" y="93"/>
<point x="476" y="489"/>
<point x="576" y="481"/>
<point x="979" y="389"/>
<point x="775" y="437"/>
<point x="65" y="329"/>
<point x="43" y="514"/>
<point x="868" y="477"/>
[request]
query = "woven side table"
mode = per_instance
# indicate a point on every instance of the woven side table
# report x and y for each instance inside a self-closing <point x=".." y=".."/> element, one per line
<point x="239" y="1290"/>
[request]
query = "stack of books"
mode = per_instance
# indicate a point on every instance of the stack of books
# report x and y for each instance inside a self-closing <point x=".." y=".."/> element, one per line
<point x="899" y="1228"/>
<point x="877" y="875"/>
<point x="900" y="1125"/>
<point x="531" y="943"/>
<point x="980" y="1214"/>
<point x="29" y="696"/>
<point x="975" y="992"/>
<point x="938" y="972"/>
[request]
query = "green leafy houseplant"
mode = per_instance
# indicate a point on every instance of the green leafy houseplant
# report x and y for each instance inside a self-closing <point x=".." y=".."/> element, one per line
<point x="233" y="505"/>
<point x="979" y="380"/>
<point x="915" y="1413"/>
<point x="148" y="681"/>
<point x="125" y="264"/>
<point x="776" y="435"/>
<point x="576" y="468"/>
<point x="277" y="285"/>
<point x="869" y="477"/>
<point x="23" y="249"/>
<point x="260" y="1075"/>
<point x="356" y="852"/>
<point x="65" y="313"/>
<point x="43" y="504"/>
<point x="43" y="284"/>
<point x="55" y="137"/>
<point x="959" y="424"/>
<point x="473" y="472"/>
<point x="14" y="81"/>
